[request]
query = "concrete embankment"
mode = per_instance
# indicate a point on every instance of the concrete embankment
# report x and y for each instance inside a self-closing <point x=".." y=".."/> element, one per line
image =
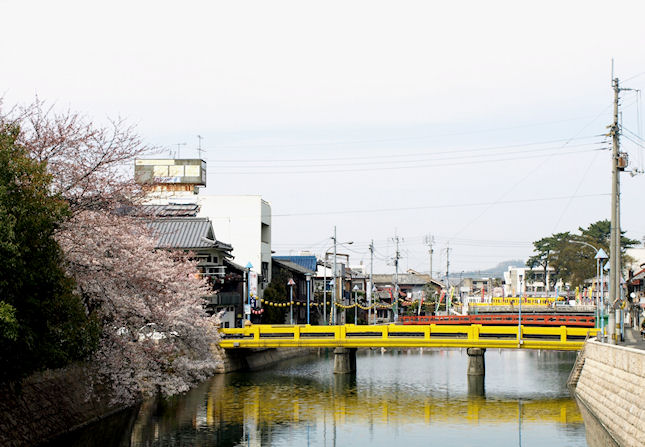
<point x="52" y="403"/>
<point x="56" y="403"/>
<point x="253" y="359"/>
<point x="612" y="386"/>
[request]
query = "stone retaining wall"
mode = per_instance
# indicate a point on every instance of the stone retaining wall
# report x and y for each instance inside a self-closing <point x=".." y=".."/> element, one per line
<point x="54" y="403"/>
<point x="612" y="386"/>
<point x="49" y="404"/>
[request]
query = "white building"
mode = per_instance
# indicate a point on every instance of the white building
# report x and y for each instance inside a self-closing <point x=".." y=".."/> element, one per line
<point x="638" y="258"/>
<point x="244" y="221"/>
<point x="521" y="281"/>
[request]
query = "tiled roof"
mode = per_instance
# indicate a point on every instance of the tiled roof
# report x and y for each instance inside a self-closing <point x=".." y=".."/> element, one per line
<point x="235" y="266"/>
<point x="172" y="210"/>
<point x="308" y="262"/>
<point x="154" y="211"/>
<point x="292" y="266"/>
<point x="185" y="233"/>
<point x="404" y="279"/>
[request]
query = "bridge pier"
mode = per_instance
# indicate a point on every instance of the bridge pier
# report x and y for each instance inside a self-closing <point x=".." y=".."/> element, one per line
<point x="476" y="364"/>
<point x="476" y="386"/>
<point x="476" y="371"/>
<point x="344" y="360"/>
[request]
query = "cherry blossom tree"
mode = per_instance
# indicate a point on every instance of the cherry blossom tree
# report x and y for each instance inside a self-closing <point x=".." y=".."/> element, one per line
<point x="156" y="336"/>
<point x="88" y="163"/>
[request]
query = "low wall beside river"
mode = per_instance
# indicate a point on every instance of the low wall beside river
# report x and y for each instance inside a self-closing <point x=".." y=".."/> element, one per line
<point x="612" y="386"/>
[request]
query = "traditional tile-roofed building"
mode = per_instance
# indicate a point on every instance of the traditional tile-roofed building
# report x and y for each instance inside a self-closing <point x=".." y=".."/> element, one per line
<point x="195" y="234"/>
<point x="187" y="233"/>
<point x="405" y="280"/>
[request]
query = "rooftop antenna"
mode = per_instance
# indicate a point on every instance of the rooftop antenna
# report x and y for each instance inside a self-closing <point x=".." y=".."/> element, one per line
<point x="199" y="147"/>
<point x="179" y="145"/>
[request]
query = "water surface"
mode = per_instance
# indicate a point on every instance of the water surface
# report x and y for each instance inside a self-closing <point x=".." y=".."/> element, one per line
<point x="397" y="398"/>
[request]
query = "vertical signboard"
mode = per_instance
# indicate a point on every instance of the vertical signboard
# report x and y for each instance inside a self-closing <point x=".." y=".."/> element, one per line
<point x="253" y="283"/>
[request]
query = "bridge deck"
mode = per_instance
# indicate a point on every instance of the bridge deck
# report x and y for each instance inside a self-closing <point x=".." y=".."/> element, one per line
<point x="561" y="338"/>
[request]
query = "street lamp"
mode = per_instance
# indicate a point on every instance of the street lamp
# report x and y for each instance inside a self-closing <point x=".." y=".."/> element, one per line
<point x="249" y="266"/>
<point x="600" y="255"/>
<point x="355" y="289"/>
<point x="291" y="283"/>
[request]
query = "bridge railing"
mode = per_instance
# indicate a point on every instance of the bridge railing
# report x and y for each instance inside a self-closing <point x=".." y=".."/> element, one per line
<point x="512" y="337"/>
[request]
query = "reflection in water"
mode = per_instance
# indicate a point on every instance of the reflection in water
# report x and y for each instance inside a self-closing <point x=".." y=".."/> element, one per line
<point x="476" y="386"/>
<point x="397" y="397"/>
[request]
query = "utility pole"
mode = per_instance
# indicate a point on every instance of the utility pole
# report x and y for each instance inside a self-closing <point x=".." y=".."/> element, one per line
<point x="617" y="165"/>
<point x="397" y="255"/>
<point x="369" y="304"/>
<point x="325" y="289"/>
<point x="333" y="304"/>
<point x="448" y="298"/>
<point x="429" y="242"/>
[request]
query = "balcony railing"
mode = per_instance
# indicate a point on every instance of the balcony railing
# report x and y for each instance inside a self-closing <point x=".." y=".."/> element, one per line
<point x="211" y="269"/>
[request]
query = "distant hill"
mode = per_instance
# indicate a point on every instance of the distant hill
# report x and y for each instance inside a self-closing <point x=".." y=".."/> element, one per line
<point x="495" y="272"/>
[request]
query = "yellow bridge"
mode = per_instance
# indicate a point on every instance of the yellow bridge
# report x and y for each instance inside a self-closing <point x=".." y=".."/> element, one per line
<point x="561" y="338"/>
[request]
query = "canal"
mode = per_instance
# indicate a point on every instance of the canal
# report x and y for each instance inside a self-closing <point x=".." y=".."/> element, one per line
<point x="397" y="398"/>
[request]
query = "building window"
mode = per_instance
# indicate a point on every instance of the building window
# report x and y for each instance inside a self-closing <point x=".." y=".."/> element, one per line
<point x="266" y="233"/>
<point x="265" y="272"/>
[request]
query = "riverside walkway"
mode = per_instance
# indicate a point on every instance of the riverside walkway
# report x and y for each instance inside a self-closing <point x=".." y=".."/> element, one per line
<point x="560" y="338"/>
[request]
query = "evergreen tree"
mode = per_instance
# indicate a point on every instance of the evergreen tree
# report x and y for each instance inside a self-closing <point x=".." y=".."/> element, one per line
<point x="571" y="260"/>
<point x="43" y="323"/>
<point x="277" y="291"/>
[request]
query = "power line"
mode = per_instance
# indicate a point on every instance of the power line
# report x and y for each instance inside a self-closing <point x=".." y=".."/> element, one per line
<point x="566" y="208"/>
<point x="381" y="210"/>
<point x="385" y="140"/>
<point x="394" y="159"/>
<point x="413" y="166"/>
<point x="399" y="155"/>
<point x="635" y="76"/>
<point x="532" y="171"/>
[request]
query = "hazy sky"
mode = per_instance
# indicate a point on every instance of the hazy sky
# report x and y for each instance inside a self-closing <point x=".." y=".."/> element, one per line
<point x="480" y="123"/>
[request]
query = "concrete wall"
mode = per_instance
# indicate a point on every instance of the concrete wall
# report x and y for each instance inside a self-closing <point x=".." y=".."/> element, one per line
<point x="253" y="359"/>
<point x="612" y="386"/>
